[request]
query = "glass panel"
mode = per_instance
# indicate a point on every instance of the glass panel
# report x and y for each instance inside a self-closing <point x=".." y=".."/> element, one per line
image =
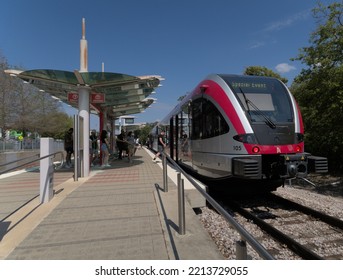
<point x="262" y="94"/>
<point x="214" y="123"/>
<point x="120" y="89"/>
<point x="93" y="78"/>
<point x="53" y="75"/>
<point x="196" y="119"/>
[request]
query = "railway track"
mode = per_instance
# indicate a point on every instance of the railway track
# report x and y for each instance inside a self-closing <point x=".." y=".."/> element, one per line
<point x="283" y="225"/>
<point x="308" y="233"/>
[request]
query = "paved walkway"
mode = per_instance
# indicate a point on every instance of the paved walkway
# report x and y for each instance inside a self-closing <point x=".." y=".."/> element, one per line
<point x="115" y="213"/>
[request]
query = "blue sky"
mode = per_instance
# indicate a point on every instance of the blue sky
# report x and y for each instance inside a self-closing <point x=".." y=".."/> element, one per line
<point x="181" y="40"/>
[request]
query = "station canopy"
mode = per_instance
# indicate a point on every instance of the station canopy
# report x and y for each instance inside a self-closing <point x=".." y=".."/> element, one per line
<point x="112" y="93"/>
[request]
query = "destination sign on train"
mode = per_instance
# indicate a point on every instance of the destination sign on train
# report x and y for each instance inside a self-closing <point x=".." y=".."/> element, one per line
<point x="248" y="85"/>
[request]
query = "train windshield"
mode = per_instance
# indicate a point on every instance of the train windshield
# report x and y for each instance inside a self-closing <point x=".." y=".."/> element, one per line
<point x="264" y="99"/>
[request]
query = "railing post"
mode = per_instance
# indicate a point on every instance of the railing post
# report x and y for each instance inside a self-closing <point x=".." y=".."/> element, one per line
<point x="241" y="250"/>
<point x="46" y="170"/>
<point x="181" y="204"/>
<point x="165" y="175"/>
<point x="245" y="236"/>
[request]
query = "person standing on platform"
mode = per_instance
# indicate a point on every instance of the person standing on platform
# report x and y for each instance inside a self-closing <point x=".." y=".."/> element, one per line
<point x="137" y="145"/>
<point x="131" y="145"/>
<point x="94" y="147"/>
<point x="121" y="144"/>
<point x="161" y="144"/>
<point x="69" y="146"/>
<point x="104" y="148"/>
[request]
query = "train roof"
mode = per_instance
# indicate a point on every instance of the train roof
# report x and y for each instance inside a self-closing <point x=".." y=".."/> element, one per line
<point x="227" y="78"/>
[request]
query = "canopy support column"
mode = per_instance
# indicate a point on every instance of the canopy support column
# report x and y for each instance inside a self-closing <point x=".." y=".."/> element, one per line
<point x="84" y="113"/>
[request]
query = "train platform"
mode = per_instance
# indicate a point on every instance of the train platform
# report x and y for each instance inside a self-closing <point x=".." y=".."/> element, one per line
<point x="117" y="213"/>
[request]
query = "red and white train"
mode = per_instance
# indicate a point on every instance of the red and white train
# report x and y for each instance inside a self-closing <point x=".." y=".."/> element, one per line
<point x="241" y="132"/>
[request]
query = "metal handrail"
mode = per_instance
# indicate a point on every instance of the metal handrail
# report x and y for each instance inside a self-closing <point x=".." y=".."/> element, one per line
<point x="32" y="161"/>
<point x="7" y="163"/>
<point x="246" y="236"/>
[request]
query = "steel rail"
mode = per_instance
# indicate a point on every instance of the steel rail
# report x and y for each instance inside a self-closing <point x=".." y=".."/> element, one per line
<point x="293" y="245"/>
<point x="7" y="163"/>
<point x="32" y="161"/>
<point x="332" y="221"/>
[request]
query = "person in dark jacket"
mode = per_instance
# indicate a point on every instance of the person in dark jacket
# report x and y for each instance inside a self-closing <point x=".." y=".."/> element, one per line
<point x="161" y="144"/>
<point x="69" y="146"/>
<point x="121" y="144"/>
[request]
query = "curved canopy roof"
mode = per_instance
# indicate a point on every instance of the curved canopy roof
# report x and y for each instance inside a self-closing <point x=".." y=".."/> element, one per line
<point x="116" y="94"/>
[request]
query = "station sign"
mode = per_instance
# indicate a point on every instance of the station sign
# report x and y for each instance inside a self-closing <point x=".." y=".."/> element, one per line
<point x="73" y="97"/>
<point x="97" y="97"/>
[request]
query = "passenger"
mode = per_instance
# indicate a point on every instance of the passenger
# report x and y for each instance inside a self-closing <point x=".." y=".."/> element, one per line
<point x="161" y="144"/>
<point x="121" y="144"/>
<point x="184" y="143"/>
<point x="69" y="146"/>
<point x="137" y="145"/>
<point x="131" y="145"/>
<point x="94" y="147"/>
<point x="104" y="148"/>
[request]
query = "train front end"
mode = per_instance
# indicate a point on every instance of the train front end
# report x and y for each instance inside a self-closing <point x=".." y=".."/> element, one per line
<point x="271" y="135"/>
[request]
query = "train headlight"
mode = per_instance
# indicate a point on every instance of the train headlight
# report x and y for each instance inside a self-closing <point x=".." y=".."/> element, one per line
<point x="255" y="149"/>
<point x="297" y="149"/>
<point x="248" y="138"/>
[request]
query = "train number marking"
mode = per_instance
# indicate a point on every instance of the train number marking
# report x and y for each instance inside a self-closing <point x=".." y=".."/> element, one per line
<point x="237" y="148"/>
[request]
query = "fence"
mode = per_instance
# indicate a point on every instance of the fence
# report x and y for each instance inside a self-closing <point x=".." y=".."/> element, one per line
<point x="26" y="144"/>
<point x="46" y="166"/>
<point x="11" y="158"/>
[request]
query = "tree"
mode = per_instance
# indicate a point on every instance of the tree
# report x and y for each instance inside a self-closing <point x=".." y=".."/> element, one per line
<point x="327" y="41"/>
<point x="7" y="85"/>
<point x="263" y="71"/>
<point x="319" y="87"/>
<point x="57" y="123"/>
<point x="23" y="107"/>
<point x="145" y="131"/>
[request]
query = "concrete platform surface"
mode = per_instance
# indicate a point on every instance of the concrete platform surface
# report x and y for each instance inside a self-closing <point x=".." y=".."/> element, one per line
<point x="120" y="212"/>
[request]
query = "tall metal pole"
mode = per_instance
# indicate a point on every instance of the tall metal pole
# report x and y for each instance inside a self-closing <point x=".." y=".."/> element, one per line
<point x="84" y="92"/>
<point x="83" y="49"/>
<point x="181" y="204"/>
<point x="165" y="172"/>
<point x="76" y="149"/>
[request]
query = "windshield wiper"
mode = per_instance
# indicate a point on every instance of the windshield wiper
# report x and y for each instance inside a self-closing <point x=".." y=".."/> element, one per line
<point x="268" y="121"/>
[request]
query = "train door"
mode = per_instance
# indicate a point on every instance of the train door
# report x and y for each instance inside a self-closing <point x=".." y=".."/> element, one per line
<point x="170" y="137"/>
<point x="184" y="135"/>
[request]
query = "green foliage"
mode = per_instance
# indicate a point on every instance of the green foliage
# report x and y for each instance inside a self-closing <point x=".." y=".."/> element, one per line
<point x="319" y="87"/>
<point x="145" y="131"/>
<point x="263" y="71"/>
<point x="56" y="124"/>
<point x="24" y="108"/>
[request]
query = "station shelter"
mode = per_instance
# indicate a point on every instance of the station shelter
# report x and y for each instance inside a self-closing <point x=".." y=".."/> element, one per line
<point x="109" y="95"/>
<point x="112" y="95"/>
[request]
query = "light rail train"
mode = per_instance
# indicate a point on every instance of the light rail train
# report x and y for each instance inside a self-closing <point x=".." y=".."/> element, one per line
<point x="243" y="133"/>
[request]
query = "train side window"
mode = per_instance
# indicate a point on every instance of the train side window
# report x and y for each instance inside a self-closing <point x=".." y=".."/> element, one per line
<point x="207" y="121"/>
<point x="197" y="119"/>
<point x="214" y="123"/>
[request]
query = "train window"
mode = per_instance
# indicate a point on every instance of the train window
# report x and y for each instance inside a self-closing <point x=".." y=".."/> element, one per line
<point x="262" y="96"/>
<point x="197" y="119"/>
<point x="263" y="102"/>
<point x="207" y="121"/>
<point x="214" y="123"/>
